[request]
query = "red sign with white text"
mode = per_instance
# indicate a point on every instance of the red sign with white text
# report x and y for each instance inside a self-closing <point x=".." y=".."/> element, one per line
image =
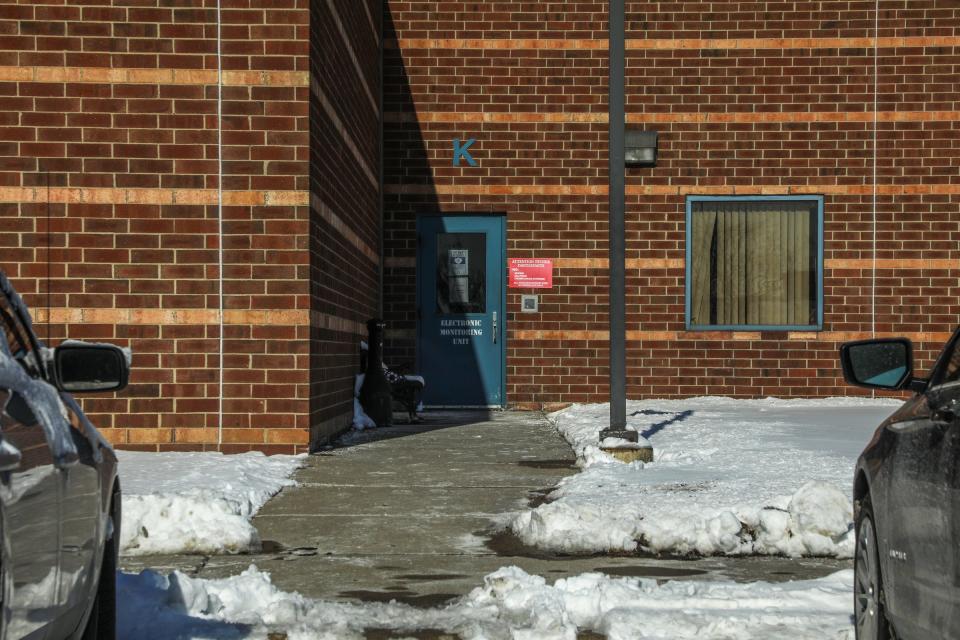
<point x="531" y="273"/>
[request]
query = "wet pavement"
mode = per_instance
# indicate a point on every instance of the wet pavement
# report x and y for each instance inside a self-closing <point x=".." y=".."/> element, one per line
<point x="411" y="513"/>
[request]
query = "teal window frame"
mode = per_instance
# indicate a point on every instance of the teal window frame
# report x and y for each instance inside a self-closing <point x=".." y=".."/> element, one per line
<point x="688" y="284"/>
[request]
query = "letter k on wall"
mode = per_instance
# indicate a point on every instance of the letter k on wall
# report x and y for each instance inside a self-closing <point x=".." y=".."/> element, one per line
<point x="461" y="151"/>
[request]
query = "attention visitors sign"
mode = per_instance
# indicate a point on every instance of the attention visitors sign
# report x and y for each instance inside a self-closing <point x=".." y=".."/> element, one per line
<point x="531" y="273"/>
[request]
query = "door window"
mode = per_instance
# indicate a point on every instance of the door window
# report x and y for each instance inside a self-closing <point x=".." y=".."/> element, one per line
<point x="461" y="273"/>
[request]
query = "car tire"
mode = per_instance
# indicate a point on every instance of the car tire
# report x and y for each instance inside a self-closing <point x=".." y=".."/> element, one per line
<point x="3" y="589"/>
<point x="102" y="624"/>
<point x="870" y="620"/>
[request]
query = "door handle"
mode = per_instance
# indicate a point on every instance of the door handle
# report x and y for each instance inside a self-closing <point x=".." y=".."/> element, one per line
<point x="67" y="459"/>
<point x="9" y="456"/>
<point x="494" y="327"/>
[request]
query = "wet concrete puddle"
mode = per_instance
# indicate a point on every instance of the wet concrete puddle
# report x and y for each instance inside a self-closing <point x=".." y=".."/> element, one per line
<point x="647" y="571"/>
<point x="547" y="464"/>
<point x="403" y="596"/>
<point x="273" y="547"/>
<point x="420" y="634"/>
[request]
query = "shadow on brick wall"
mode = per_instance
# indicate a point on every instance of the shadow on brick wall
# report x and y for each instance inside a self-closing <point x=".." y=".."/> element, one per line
<point x="410" y="192"/>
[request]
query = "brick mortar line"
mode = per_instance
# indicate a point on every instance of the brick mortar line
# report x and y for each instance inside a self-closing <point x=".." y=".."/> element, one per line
<point x="316" y="90"/>
<point x="678" y="263"/>
<point x="335" y="221"/>
<point x="320" y="320"/>
<point x="808" y="336"/>
<point x="221" y="334"/>
<point x="739" y="117"/>
<point x="874" y="179"/>
<point x="134" y="316"/>
<point x="201" y="435"/>
<point x="680" y="190"/>
<point x="114" y="195"/>
<point x="154" y="76"/>
<point x="171" y="317"/>
<point x="371" y="22"/>
<point x="266" y="78"/>
<point x="670" y="44"/>
<point x="353" y="55"/>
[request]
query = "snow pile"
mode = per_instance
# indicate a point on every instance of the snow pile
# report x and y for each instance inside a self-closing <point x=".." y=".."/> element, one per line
<point x="729" y="477"/>
<point x="361" y="420"/>
<point x="196" y="502"/>
<point x="511" y="604"/>
<point x="640" y="608"/>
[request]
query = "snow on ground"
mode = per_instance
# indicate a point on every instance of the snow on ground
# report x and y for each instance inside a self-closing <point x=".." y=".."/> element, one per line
<point x="729" y="477"/>
<point x="196" y="502"/>
<point x="511" y="604"/>
<point x="361" y="420"/>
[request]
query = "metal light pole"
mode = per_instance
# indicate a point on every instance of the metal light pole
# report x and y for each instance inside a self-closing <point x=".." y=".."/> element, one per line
<point x="617" y="158"/>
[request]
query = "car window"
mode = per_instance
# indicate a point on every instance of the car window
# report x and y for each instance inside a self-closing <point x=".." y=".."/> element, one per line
<point x="17" y="338"/>
<point x="952" y="371"/>
<point x="947" y="369"/>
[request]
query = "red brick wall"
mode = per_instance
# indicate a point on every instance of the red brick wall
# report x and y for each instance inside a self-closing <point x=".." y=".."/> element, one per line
<point x="345" y="194"/>
<point x="123" y="106"/>
<point x="748" y="98"/>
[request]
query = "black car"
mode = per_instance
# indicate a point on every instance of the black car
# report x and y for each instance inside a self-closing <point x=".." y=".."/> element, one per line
<point x="907" y="496"/>
<point x="59" y="490"/>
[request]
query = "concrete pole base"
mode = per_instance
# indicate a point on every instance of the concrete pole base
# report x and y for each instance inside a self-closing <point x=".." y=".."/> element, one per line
<point x="630" y="454"/>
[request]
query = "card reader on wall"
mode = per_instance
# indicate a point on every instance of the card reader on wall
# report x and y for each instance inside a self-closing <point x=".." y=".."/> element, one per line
<point x="529" y="303"/>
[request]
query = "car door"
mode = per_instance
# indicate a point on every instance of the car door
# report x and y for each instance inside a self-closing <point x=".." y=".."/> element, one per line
<point x="79" y="525"/>
<point x="950" y="459"/>
<point x="917" y="518"/>
<point x="944" y="399"/>
<point x="79" y="483"/>
<point x="921" y="560"/>
<point x="29" y="494"/>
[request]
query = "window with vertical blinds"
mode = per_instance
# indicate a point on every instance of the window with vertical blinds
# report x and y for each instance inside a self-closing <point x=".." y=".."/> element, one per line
<point x="754" y="262"/>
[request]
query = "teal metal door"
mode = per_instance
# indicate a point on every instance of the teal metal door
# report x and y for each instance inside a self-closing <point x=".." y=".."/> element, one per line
<point x="461" y="296"/>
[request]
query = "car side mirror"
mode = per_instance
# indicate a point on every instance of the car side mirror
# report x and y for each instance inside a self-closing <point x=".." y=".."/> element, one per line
<point x="885" y="363"/>
<point x="90" y="368"/>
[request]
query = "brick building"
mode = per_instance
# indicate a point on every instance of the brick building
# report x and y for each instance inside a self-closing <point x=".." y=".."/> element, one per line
<point x="852" y="105"/>
<point x="232" y="190"/>
<point x="207" y="180"/>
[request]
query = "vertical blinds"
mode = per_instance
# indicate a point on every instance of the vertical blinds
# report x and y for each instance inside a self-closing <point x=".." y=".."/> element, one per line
<point x="753" y="263"/>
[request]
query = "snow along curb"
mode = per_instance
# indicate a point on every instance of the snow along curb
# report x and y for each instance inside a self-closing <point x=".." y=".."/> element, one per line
<point x="735" y="477"/>
<point x="511" y="604"/>
<point x="195" y="503"/>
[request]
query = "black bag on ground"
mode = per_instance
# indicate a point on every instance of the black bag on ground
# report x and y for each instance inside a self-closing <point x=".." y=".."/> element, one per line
<point x="375" y="395"/>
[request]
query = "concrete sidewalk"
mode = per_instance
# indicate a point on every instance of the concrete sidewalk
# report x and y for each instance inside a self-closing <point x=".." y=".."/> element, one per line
<point x="406" y="512"/>
<point x="409" y="513"/>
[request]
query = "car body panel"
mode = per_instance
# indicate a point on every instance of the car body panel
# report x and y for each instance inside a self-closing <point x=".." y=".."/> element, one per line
<point x="29" y="511"/>
<point x="912" y="476"/>
<point x="80" y="529"/>
<point x="54" y="530"/>
<point x="918" y="534"/>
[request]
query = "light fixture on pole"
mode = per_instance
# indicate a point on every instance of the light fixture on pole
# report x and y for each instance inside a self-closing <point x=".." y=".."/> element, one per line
<point x="641" y="148"/>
